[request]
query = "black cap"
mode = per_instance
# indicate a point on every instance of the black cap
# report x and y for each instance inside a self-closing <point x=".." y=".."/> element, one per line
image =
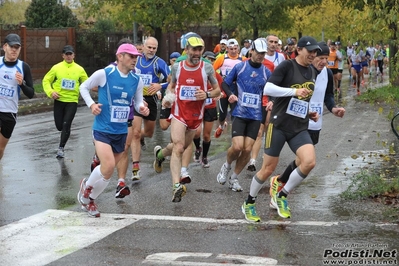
<point x="324" y="50"/>
<point x="12" y="39"/>
<point x="68" y="49"/>
<point x="209" y="54"/>
<point x="308" y="42"/>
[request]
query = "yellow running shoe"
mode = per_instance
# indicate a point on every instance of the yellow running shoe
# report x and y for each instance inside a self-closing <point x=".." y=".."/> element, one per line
<point x="249" y="211"/>
<point x="275" y="186"/>
<point x="282" y="207"/>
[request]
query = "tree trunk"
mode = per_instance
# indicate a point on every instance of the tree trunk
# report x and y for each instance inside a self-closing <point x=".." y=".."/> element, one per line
<point x="161" y="47"/>
<point x="393" y="61"/>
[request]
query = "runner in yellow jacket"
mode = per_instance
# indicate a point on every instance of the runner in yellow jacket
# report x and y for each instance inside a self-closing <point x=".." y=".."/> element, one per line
<point x="62" y="83"/>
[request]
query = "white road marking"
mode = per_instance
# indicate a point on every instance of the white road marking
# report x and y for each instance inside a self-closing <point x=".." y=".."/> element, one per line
<point x="172" y="258"/>
<point x="53" y="234"/>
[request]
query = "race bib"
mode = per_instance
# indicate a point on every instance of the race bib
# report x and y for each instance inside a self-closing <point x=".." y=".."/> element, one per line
<point x="7" y="91"/>
<point x="147" y="80"/>
<point x="330" y="63"/>
<point x="68" y="84"/>
<point x="316" y="107"/>
<point x="297" y="108"/>
<point x="250" y="100"/>
<point x="208" y="101"/>
<point x="119" y="114"/>
<point x="187" y="93"/>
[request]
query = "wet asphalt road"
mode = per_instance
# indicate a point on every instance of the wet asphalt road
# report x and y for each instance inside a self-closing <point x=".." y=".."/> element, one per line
<point x="208" y="222"/>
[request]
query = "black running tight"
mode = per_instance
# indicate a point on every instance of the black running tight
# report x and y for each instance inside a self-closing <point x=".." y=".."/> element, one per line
<point x="64" y="113"/>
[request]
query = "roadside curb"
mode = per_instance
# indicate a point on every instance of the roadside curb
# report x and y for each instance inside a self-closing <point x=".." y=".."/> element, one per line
<point x="41" y="103"/>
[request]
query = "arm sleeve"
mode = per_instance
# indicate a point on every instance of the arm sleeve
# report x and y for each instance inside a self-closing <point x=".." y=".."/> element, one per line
<point x="226" y="89"/>
<point x="27" y="85"/>
<point x="138" y="97"/>
<point x="277" y="91"/>
<point x="97" y="79"/>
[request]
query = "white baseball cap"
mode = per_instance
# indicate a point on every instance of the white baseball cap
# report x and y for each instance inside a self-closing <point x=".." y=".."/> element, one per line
<point x="259" y="45"/>
<point x="232" y="43"/>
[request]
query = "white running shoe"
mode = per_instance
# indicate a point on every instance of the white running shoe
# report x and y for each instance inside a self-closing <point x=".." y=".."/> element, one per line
<point x="234" y="185"/>
<point x="222" y="176"/>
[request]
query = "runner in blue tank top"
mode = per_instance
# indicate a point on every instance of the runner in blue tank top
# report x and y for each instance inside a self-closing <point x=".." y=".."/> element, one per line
<point x="248" y="78"/>
<point x="117" y="87"/>
<point x="151" y="68"/>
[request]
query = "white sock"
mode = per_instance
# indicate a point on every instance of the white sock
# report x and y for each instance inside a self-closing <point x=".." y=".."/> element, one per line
<point x="94" y="176"/>
<point x="99" y="187"/>
<point x="234" y="176"/>
<point x="256" y="186"/>
<point x="296" y="177"/>
<point x="183" y="170"/>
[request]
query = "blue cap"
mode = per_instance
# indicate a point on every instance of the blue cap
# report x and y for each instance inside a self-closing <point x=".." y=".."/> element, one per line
<point x="174" y="55"/>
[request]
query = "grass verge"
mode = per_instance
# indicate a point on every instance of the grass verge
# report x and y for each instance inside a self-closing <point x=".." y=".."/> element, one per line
<point x="380" y="185"/>
<point x="38" y="88"/>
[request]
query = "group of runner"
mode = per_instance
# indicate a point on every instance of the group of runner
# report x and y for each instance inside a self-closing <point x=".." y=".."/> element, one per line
<point x="268" y="90"/>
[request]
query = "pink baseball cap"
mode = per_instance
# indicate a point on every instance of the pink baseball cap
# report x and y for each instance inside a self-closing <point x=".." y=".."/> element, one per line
<point x="129" y="49"/>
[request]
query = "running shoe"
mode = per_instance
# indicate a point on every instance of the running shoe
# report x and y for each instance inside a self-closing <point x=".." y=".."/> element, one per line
<point x="91" y="209"/>
<point x="275" y="186"/>
<point x="143" y="145"/>
<point x="219" y="130"/>
<point x="185" y="178"/>
<point x="157" y="162"/>
<point x="122" y="190"/>
<point x="234" y="185"/>
<point x="281" y="205"/>
<point x="197" y="155"/>
<point x="60" y="153"/>
<point x="84" y="192"/>
<point x="135" y="174"/>
<point x="222" y="176"/>
<point x="205" y="162"/>
<point x="94" y="163"/>
<point x="178" y="192"/>
<point x="249" y="210"/>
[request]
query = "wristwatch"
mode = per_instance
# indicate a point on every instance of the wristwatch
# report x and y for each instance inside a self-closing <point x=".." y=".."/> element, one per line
<point x="208" y="94"/>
